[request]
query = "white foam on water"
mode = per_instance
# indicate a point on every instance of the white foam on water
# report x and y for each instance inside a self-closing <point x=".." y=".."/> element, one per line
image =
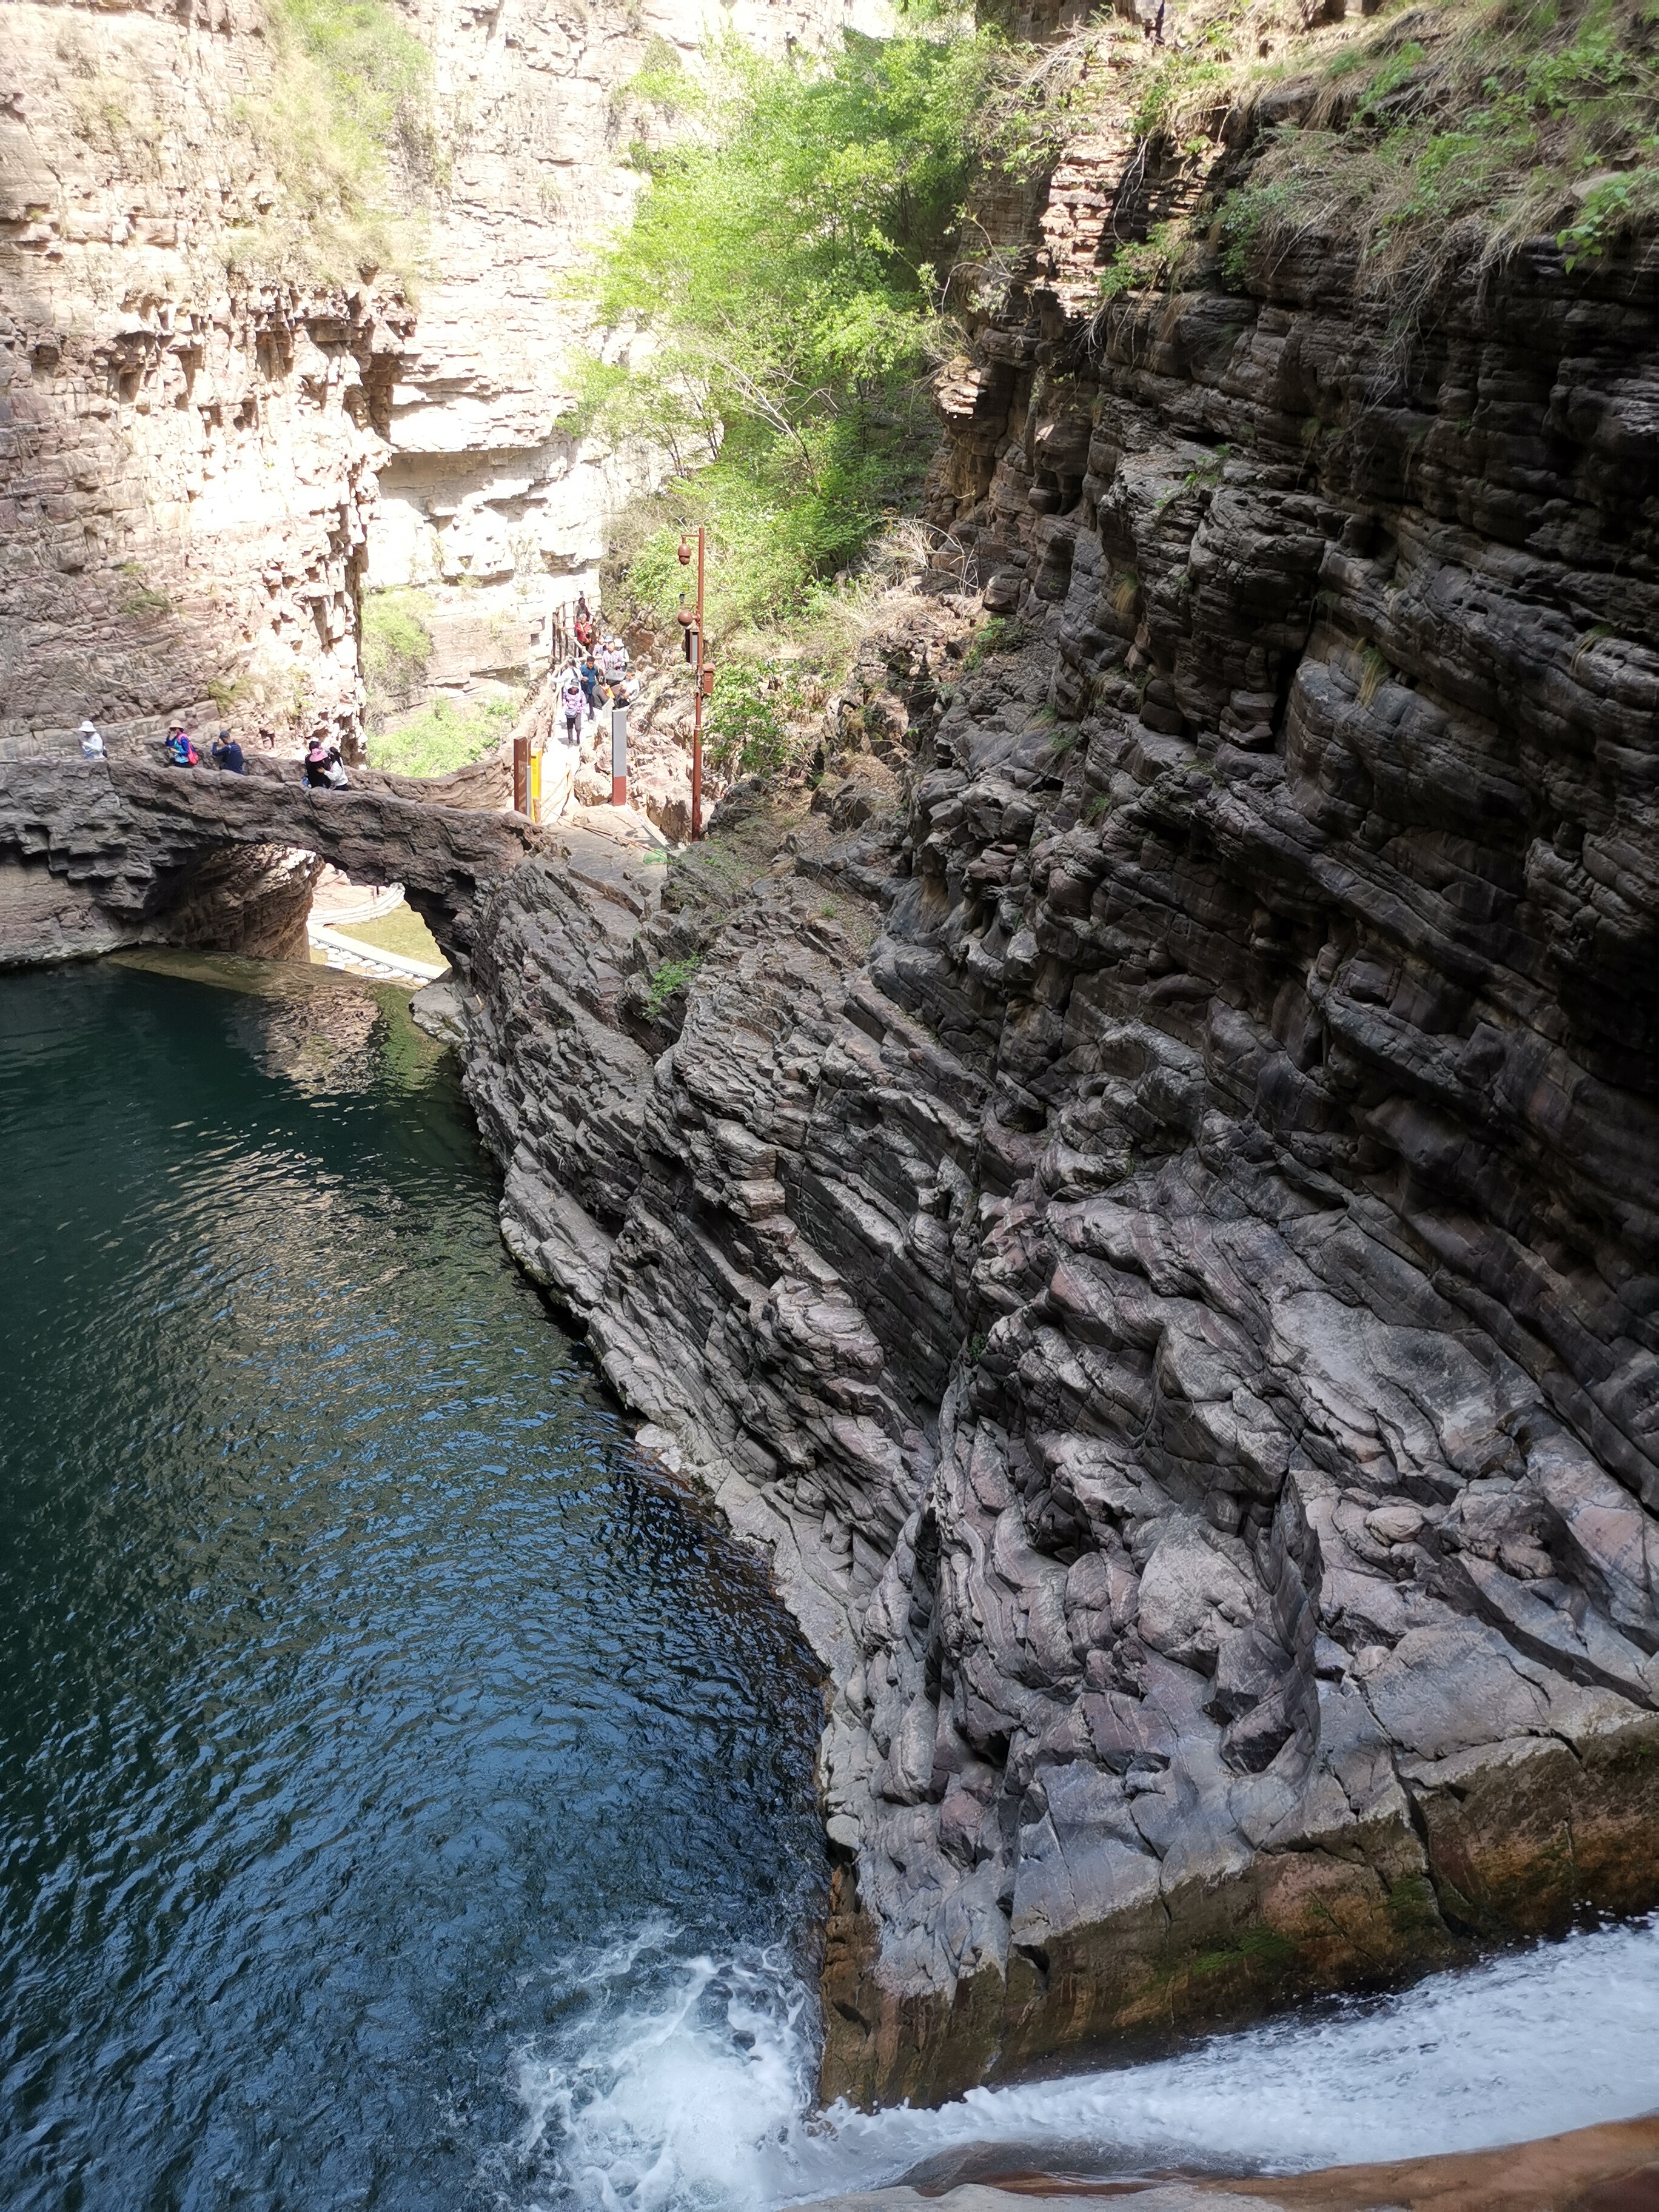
<point x="684" y="2086"/>
<point x="678" y="2086"/>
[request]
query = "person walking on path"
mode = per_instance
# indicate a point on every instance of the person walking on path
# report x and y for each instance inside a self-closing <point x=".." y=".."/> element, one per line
<point x="575" y="707"/>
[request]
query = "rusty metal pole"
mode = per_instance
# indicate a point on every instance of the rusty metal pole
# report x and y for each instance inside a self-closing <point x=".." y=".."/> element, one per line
<point x="696" y="711"/>
<point x="521" y="775"/>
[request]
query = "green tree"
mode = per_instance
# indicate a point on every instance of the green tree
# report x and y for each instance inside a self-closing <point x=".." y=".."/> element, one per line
<point x="783" y="263"/>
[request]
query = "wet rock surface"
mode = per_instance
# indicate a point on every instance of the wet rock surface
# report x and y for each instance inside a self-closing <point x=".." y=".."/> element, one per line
<point x="1179" y="1303"/>
<point x="1610" y="2168"/>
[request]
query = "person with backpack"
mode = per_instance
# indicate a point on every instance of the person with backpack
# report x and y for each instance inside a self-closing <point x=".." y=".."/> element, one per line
<point x="179" y="752"/>
<point x="228" y="754"/>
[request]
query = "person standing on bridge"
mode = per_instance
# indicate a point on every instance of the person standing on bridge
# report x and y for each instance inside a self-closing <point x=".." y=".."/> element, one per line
<point x="228" y="754"/>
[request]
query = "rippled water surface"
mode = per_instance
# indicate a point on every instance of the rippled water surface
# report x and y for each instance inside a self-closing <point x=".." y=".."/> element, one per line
<point x="359" y="1690"/>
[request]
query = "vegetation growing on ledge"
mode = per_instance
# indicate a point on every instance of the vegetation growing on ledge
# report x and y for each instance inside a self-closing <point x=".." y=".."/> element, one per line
<point x="442" y="738"/>
<point x="1462" y="133"/>
<point x="397" y="649"/>
<point x="347" y="128"/>
<point x="1435" y="136"/>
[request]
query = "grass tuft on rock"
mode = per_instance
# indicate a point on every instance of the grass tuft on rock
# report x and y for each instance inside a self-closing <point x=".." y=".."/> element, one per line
<point x="442" y="737"/>
<point x="1456" y="134"/>
<point x="1425" y="141"/>
<point x="396" y="647"/>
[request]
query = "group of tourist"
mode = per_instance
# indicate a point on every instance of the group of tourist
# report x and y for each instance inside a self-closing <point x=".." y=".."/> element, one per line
<point x="179" y="749"/>
<point x="598" y="676"/>
<point x="322" y="768"/>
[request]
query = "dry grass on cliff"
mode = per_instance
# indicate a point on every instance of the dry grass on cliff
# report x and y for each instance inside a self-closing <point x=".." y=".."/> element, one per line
<point x="346" y="129"/>
<point x="1452" y="135"/>
<point x="1427" y="140"/>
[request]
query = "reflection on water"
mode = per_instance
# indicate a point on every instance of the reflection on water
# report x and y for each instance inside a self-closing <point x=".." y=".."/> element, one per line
<point x="355" y="1678"/>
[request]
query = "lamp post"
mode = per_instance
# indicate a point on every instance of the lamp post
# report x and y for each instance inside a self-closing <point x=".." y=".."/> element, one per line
<point x="696" y="705"/>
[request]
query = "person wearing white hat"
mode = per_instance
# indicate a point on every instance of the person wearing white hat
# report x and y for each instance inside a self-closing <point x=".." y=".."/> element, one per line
<point x="92" y="745"/>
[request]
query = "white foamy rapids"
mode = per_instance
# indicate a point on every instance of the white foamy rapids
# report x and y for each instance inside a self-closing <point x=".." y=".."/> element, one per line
<point x="695" y="2098"/>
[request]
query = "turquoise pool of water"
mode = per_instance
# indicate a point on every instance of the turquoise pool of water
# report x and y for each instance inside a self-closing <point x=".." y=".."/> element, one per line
<point x="360" y="1690"/>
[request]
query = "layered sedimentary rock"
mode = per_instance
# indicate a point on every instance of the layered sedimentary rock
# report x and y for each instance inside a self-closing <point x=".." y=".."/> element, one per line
<point x="95" y="856"/>
<point x="203" y="469"/>
<point x="188" y="456"/>
<point x="1157" y="1230"/>
<point x="1148" y="1205"/>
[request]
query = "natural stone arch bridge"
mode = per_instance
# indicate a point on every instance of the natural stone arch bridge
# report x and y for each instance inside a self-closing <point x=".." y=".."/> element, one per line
<point x="97" y="855"/>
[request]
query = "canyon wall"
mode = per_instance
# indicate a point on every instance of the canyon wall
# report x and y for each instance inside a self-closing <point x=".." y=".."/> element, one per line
<point x="1145" y="1199"/>
<point x="205" y="469"/>
<point x="1144" y="1195"/>
<point x="189" y="458"/>
<point x="486" y="504"/>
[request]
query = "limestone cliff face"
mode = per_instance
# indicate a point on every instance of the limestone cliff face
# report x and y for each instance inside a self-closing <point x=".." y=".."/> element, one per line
<point x="202" y="475"/>
<point x="1157" y="1228"/>
<point x="188" y="462"/>
<point x="486" y="500"/>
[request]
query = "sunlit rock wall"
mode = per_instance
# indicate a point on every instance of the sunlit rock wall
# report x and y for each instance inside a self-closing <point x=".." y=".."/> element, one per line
<point x="188" y="461"/>
<point x="203" y="476"/>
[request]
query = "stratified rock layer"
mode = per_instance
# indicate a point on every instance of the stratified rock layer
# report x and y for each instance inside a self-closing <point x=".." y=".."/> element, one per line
<point x="1179" y="1304"/>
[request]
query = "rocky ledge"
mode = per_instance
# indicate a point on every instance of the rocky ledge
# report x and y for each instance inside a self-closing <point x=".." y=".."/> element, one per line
<point x="1146" y="1201"/>
<point x="1611" y="2168"/>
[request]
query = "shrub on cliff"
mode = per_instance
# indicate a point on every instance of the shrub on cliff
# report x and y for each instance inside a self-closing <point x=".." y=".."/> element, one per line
<point x="346" y="127"/>
<point x="749" y="723"/>
<point x="397" y="648"/>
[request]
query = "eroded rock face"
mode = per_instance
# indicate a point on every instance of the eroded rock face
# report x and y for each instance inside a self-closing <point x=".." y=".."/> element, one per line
<point x="1179" y="1304"/>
